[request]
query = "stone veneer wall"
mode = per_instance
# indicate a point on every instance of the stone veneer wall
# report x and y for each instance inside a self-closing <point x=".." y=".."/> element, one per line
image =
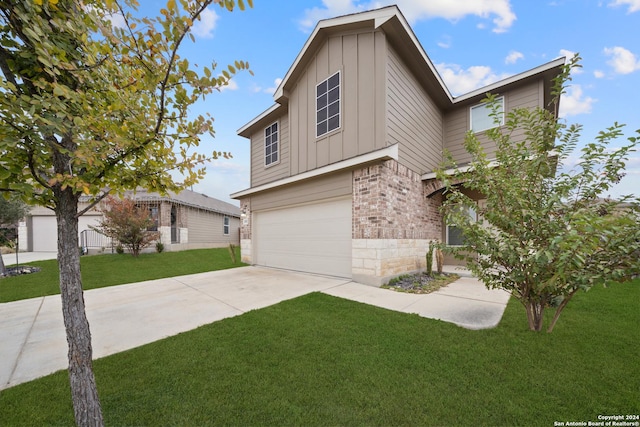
<point x="245" y="231"/>
<point x="393" y="222"/>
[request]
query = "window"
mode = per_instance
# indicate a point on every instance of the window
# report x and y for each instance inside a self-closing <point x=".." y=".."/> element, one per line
<point x="481" y="118"/>
<point x="454" y="234"/>
<point x="271" y="144"/>
<point x="225" y="227"/>
<point x="328" y="105"/>
<point x="153" y="214"/>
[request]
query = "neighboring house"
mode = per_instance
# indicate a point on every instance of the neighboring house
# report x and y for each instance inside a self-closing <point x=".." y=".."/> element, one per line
<point x="342" y="164"/>
<point x="187" y="220"/>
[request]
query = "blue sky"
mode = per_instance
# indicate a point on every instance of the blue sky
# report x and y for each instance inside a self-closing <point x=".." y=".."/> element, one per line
<point x="472" y="43"/>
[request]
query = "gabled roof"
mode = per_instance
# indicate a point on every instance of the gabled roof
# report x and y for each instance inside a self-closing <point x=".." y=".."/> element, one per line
<point x="399" y="34"/>
<point x="187" y="198"/>
<point x="392" y="22"/>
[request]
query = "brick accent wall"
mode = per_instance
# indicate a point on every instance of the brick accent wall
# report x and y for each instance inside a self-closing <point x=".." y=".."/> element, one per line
<point x="389" y="202"/>
<point x="393" y="222"/>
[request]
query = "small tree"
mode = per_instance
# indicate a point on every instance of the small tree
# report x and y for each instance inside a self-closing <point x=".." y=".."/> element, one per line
<point x="12" y="209"/>
<point x="543" y="235"/>
<point x="95" y="99"/>
<point x="128" y="224"/>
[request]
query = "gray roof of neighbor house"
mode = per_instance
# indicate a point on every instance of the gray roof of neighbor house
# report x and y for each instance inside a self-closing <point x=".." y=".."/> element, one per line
<point x="188" y="198"/>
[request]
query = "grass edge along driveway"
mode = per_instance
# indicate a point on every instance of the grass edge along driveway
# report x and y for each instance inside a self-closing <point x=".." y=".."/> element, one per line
<point x="99" y="271"/>
<point x="321" y="360"/>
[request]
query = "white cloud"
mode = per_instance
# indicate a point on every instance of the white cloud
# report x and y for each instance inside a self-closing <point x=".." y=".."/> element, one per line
<point x="415" y="10"/>
<point x="622" y="60"/>
<point x="569" y="54"/>
<point x="206" y="24"/>
<point x="598" y="74"/>
<point x="231" y="85"/>
<point x="513" y="57"/>
<point x="329" y="9"/>
<point x="634" y="5"/>
<point x="272" y="90"/>
<point x="574" y="102"/>
<point x="461" y="81"/>
<point x="445" y="42"/>
<point x="117" y="20"/>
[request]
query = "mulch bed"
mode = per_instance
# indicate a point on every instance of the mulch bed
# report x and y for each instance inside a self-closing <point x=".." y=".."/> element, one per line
<point x="421" y="283"/>
<point x="20" y="269"/>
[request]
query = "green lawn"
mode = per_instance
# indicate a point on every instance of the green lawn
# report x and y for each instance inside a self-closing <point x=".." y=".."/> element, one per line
<point x="108" y="270"/>
<point x="320" y="360"/>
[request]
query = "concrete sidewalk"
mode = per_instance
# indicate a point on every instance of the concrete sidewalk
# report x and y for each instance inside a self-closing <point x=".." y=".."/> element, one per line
<point x="127" y="316"/>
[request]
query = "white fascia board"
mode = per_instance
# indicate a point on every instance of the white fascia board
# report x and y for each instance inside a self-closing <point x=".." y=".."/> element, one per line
<point x="492" y="164"/>
<point x="453" y="171"/>
<point x="387" y="153"/>
<point x="262" y="115"/>
<point x="509" y="80"/>
<point x="423" y="53"/>
<point x="379" y="16"/>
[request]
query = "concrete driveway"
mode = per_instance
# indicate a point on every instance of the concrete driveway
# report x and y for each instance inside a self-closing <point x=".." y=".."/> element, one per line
<point x="127" y="316"/>
<point x="27" y="257"/>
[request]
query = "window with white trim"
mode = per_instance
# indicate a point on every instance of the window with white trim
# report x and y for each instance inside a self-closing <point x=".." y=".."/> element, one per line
<point x="454" y="233"/>
<point x="226" y="225"/>
<point x="271" y="144"/>
<point x="328" y="105"/>
<point x="482" y="117"/>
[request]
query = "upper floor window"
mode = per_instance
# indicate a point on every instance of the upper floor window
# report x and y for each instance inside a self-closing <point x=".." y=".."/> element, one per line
<point x="271" y="144"/>
<point x="225" y="227"/>
<point x="328" y="105"/>
<point x="481" y="118"/>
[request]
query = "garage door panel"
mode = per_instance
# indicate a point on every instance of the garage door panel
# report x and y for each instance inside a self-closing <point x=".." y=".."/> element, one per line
<point x="45" y="231"/>
<point x="314" y="238"/>
<point x="45" y="234"/>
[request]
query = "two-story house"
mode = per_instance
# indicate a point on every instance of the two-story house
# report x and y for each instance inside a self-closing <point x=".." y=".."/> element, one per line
<point x="342" y="164"/>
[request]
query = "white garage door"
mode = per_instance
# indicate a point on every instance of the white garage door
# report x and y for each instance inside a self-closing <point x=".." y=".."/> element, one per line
<point x="45" y="232"/>
<point x="314" y="238"/>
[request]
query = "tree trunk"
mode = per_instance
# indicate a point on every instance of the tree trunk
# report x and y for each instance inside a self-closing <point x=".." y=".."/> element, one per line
<point x="561" y="307"/>
<point x="84" y="393"/>
<point x="535" y="315"/>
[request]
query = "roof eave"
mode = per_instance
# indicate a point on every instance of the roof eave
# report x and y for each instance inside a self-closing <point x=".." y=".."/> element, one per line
<point x="497" y="86"/>
<point x="245" y="130"/>
<point x="387" y="153"/>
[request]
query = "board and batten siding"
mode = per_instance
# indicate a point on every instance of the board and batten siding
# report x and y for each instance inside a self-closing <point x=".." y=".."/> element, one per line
<point x="413" y="119"/>
<point x="327" y="187"/>
<point x="457" y="122"/>
<point x="207" y="228"/>
<point x="261" y="174"/>
<point x="360" y="57"/>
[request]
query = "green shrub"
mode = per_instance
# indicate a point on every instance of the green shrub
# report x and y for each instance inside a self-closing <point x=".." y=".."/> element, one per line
<point x="429" y="257"/>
